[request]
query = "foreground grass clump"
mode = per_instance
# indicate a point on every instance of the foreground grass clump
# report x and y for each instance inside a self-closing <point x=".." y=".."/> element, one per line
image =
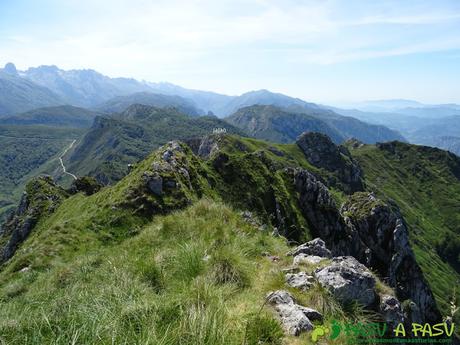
<point x="188" y="278"/>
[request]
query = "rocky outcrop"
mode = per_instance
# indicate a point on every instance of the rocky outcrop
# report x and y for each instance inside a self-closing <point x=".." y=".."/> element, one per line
<point x="321" y="152"/>
<point x="86" y="184"/>
<point x="380" y="240"/>
<point x="300" y="280"/>
<point x="315" y="247"/>
<point x="304" y="259"/>
<point x="348" y="281"/>
<point x="370" y="230"/>
<point x="310" y="253"/>
<point x="41" y="198"/>
<point x="206" y="146"/>
<point x="319" y="209"/>
<point x="294" y="318"/>
<point x="391" y="310"/>
<point x="172" y="178"/>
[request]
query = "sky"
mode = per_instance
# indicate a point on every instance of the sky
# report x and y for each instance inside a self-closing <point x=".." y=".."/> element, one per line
<point x="321" y="51"/>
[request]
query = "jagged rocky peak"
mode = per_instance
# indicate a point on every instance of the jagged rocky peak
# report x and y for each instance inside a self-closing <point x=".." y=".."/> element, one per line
<point x="206" y="146"/>
<point x="379" y="238"/>
<point x="321" y="152"/>
<point x="41" y="197"/>
<point x="10" y="69"/>
<point x="370" y="230"/>
<point x="168" y="179"/>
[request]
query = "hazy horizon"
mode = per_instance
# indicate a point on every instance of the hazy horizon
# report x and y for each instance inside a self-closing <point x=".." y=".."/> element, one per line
<point x="321" y="51"/>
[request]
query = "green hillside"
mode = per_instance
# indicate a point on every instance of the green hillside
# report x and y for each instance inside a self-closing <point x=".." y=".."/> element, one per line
<point x="26" y="151"/>
<point x="114" y="142"/>
<point x="61" y="116"/>
<point x="425" y="183"/>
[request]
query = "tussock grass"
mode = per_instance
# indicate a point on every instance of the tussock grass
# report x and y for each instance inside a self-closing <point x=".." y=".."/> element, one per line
<point x="196" y="276"/>
<point x="181" y="280"/>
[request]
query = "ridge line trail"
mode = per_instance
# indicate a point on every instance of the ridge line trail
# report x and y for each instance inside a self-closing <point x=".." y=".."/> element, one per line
<point x="62" y="163"/>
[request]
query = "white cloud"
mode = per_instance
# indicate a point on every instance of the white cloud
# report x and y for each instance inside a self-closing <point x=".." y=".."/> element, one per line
<point x="180" y="40"/>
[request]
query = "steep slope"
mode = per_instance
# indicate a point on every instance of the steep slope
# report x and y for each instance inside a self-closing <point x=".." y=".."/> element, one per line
<point x="113" y="143"/>
<point x="205" y="274"/>
<point x="26" y="151"/>
<point x="121" y="103"/>
<point x="274" y="124"/>
<point x="84" y="88"/>
<point x="425" y="183"/>
<point x="18" y="94"/>
<point x="62" y="116"/>
<point x="285" y="125"/>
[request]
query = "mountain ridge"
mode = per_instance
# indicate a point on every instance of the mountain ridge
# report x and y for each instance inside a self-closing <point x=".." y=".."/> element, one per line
<point x="276" y="189"/>
<point x="285" y="125"/>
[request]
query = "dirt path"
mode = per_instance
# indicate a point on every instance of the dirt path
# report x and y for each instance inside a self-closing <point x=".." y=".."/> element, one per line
<point x="62" y="163"/>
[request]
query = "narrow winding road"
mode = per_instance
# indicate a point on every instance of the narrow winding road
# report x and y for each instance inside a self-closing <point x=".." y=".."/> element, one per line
<point x="62" y="163"/>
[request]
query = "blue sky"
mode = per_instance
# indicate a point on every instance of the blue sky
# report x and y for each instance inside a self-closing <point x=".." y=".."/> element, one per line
<point x="322" y="51"/>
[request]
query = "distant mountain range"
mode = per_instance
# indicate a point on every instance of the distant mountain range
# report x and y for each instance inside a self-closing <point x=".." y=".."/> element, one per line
<point x="370" y="121"/>
<point x="19" y="94"/>
<point x="121" y="103"/>
<point x="424" y="125"/>
<point x="85" y="88"/>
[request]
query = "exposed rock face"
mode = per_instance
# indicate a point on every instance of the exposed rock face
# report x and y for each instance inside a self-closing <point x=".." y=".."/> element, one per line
<point x="154" y="183"/>
<point x="380" y="240"/>
<point x="85" y="184"/>
<point x="205" y="147"/>
<point x="307" y="259"/>
<point x="323" y="153"/>
<point x="41" y="198"/>
<point x="294" y="318"/>
<point x="372" y="232"/>
<point x="391" y="310"/>
<point x="315" y="247"/>
<point x="300" y="280"/>
<point x="348" y="280"/>
<point x="319" y="209"/>
<point x="208" y="146"/>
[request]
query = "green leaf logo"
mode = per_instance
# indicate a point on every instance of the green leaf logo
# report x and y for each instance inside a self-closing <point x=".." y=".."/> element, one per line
<point x="319" y="332"/>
